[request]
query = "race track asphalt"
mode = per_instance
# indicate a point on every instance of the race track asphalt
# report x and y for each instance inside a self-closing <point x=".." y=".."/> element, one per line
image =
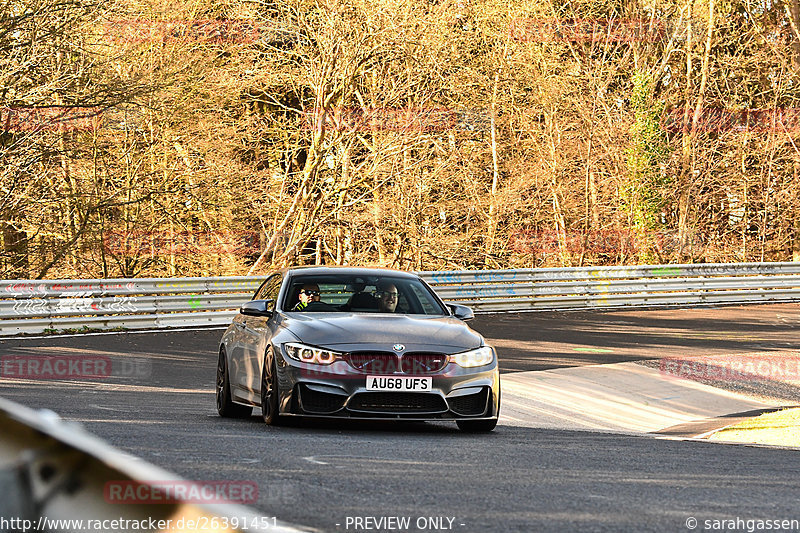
<point x="158" y="404"/>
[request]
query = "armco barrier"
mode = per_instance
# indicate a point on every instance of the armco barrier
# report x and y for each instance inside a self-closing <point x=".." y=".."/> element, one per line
<point x="619" y="286"/>
<point x="54" y="476"/>
<point x="35" y="306"/>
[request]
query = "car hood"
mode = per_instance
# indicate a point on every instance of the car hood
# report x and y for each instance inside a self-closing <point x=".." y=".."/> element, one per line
<point x="354" y="331"/>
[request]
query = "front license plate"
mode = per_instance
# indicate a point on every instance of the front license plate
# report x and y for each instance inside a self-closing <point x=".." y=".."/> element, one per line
<point x="395" y="383"/>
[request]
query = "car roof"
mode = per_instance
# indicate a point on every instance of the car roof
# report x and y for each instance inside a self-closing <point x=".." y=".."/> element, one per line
<point x="348" y="271"/>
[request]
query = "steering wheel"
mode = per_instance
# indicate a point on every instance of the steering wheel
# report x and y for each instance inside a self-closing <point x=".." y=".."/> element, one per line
<point x="319" y="306"/>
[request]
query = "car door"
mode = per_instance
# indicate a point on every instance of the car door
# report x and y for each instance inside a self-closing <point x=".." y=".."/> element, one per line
<point x="238" y="341"/>
<point x="255" y="336"/>
<point x="242" y="340"/>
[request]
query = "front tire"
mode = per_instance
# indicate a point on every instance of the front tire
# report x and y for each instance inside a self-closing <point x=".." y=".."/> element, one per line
<point x="269" y="390"/>
<point x="225" y="406"/>
<point x="477" y="426"/>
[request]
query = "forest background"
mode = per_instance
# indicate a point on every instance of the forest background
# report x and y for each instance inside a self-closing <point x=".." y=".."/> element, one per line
<point x="229" y="137"/>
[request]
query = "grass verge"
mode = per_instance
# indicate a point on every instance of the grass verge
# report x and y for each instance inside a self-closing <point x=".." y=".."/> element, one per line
<point x="780" y="428"/>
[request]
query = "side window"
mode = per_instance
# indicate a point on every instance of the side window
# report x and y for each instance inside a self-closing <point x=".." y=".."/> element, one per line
<point x="270" y="289"/>
<point x="424" y="299"/>
<point x="403" y="305"/>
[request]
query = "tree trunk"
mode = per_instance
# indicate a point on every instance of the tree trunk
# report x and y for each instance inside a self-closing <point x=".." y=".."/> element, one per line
<point x="793" y="12"/>
<point x="492" y="222"/>
<point x="686" y="141"/>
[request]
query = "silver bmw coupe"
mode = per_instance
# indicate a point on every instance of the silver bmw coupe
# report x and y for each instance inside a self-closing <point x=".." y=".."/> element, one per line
<point x="356" y="343"/>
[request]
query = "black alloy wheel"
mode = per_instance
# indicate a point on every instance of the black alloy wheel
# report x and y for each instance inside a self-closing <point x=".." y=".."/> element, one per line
<point x="225" y="406"/>
<point x="269" y="390"/>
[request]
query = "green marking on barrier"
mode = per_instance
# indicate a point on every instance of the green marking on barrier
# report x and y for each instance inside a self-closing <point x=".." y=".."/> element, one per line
<point x="593" y="350"/>
<point x="668" y="271"/>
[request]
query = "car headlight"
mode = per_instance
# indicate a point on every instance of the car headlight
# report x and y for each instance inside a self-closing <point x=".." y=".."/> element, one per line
<point x="479" y="357"/>
<point x="310" y="354"/>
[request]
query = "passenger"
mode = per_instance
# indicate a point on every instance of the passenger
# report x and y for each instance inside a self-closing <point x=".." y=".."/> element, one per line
<point x="387" y="297"/>
<point x="309" y="293"/>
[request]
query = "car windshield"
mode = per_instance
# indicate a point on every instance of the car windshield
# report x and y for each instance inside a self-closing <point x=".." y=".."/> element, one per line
<point x="361" y="294"/>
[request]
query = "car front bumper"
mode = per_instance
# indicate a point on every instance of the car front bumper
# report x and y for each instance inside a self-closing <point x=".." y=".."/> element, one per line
<point x="339" y="390"/>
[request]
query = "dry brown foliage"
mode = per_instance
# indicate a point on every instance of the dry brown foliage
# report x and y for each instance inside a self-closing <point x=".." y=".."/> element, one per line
<point x="232" y="137"/>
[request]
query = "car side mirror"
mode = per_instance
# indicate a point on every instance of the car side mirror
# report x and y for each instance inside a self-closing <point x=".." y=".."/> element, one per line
<point x="257" y="308"/>
<point x="462" y="312"/>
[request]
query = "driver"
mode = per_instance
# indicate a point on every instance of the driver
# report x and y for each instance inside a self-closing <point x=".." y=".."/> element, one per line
<point x="309" y="293"/>
<point x="387" y="297"/>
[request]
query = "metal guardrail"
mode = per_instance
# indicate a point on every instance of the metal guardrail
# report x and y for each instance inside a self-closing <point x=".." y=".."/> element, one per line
<point x="37" y="306"/>
<point x="33" y="306"/>
<point x="619" y="286"/>
<point x="54" y="476"/>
